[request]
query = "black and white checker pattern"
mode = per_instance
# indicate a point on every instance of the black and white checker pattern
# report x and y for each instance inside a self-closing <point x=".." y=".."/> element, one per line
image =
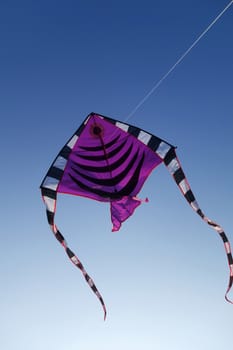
<point x="167" y="154"/>
<point x="174" y="167"/>
<point x="49" y="194"/>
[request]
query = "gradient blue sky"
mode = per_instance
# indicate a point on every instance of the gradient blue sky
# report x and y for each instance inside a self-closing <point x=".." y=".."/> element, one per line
<point x="164" y="275"/>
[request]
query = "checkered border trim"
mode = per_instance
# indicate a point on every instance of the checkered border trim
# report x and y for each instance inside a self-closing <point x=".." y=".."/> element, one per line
<point x="167" y="154"/>
<point x="173" y="165"/>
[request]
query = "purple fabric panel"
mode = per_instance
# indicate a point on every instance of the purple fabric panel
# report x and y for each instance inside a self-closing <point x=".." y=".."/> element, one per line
<point x="122" y="209"/>
<point x="107" y="163"/>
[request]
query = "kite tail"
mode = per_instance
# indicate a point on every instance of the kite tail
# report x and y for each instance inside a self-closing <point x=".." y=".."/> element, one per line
<point x="174" y="167"/>
<point x="49" y="198"/>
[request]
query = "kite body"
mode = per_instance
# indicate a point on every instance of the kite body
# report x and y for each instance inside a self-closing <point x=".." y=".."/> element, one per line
<point x="109" y="165"/>
<point x="109" y="161"/>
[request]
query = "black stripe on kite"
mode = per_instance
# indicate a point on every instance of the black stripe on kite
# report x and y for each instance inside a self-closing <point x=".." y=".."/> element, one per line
<point x="126" y="191"/>
<point x="224" y="237"/>
<point x="179" y="176"/>
<point x="199" y="212"/>
<point x="80" y="129"/>
<point x="154" y="143"/>
<point x="59" y="236"/>
<point x="65" y="152"/>
<point x="133" y="130"/>
<point x="189" y="196"/>
<point x="169" y="156"/>
<point x="50" y="217"/>
<point x="47" y="192"/>
<point x="109" y="167"/>
<point x="56" y="173"/>
<point x="100" y="148"/>
<point x="104" y="156"/>
<point x="113" y="181"/>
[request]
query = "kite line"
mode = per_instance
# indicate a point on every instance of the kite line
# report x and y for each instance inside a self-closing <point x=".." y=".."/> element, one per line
<point x="155" y="87"/>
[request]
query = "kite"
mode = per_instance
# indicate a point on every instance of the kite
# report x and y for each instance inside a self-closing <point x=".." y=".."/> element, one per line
<point x="108" y="160"/>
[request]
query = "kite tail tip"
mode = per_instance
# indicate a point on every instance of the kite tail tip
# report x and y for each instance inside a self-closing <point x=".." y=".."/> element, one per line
<point x="116" y="228"/>
<point x="105" y="314"/>
<point x="227" y="299"/>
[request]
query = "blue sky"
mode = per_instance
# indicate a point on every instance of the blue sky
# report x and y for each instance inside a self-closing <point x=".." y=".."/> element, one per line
<point x="163" y="275"/>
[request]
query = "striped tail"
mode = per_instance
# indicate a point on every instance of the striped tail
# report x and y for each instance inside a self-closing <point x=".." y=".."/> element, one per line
<point x="49" y="196"/>
<point x="172" y="163"/>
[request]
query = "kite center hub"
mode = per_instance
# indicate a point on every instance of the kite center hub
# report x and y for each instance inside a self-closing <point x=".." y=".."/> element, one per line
<point x="96" y="130"/>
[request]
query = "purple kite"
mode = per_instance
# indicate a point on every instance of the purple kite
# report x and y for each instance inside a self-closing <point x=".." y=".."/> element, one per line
<point x="109" y="161"/>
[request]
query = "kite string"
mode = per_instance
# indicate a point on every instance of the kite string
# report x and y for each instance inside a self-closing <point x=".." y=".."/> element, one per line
<point x="155" y="87"/>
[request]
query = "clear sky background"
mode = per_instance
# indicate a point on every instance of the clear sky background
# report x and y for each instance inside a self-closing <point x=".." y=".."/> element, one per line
<point x="164" y="274"/>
